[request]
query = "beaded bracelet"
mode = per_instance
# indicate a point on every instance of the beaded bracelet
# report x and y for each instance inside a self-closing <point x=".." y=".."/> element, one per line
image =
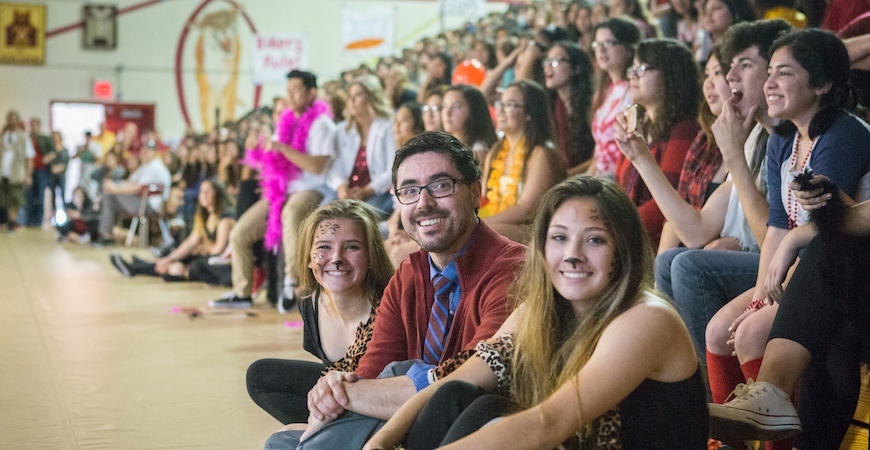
<point x="756" y="304"/>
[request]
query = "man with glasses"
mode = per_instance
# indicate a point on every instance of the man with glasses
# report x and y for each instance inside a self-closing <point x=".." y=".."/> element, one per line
<point x="442" y="300"/>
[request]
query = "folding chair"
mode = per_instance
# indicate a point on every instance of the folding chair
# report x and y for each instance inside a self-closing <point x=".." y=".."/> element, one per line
<point x="140" y="221"/>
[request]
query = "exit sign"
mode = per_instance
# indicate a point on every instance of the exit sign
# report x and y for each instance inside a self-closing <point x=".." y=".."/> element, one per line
<point x="103" y="89"/>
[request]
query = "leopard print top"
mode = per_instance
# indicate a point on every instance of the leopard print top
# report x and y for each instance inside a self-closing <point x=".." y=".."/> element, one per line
<point x="350" y="361"/>
<point x="601" y="434"/>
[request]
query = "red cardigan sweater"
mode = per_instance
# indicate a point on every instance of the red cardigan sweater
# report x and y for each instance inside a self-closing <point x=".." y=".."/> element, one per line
<point x="670" y="155"/>
<point x="486" y="269"/>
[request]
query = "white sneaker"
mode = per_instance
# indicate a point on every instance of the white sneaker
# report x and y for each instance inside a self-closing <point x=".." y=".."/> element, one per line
<point x="219" y="260"/>
<point x="287" y="297"/>
<point x="758" y="411"/>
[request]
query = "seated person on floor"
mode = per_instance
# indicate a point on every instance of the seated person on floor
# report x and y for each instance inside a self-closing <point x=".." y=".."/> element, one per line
<point x="81" y="222"/>
<point x="419" y="325"/>
<point x="346" y="272"/>
<point x="592" y="352"/>
<point x="212" y="223"/>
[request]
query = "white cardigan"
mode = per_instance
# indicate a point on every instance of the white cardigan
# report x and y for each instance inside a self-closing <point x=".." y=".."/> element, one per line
<point x="380" y="154"/>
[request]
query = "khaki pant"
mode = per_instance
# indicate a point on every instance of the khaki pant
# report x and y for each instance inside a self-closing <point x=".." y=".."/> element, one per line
<point x="297" y="208"/>
<point x="250" y="228"/>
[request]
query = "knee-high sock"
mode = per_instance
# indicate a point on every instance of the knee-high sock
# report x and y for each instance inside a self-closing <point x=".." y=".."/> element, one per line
<point x="750" y="369"/>
<point x="724" y="374"/>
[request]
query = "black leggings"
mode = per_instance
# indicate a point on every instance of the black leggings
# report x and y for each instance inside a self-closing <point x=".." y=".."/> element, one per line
<point x="810" y="316"/>
<point x="201" y="270"/>
<point x="280" y="387"/>
<point x="141" y="267"/>
<point x="456" y="410"/>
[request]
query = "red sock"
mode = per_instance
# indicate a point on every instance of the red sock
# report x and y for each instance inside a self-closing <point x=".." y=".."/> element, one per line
<point x="724" y="374"/>
<point x="750" y="369"/>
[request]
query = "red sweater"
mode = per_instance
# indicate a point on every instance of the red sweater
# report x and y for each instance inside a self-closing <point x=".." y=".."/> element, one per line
<point x="486" y="270"/>
<point x="670" y="155"/>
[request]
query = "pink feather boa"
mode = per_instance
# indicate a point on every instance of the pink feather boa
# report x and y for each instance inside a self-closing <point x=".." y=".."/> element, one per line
<point x="276" y="171"/>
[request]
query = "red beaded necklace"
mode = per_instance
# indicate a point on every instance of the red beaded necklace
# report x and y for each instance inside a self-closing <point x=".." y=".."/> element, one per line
<point x="792" y="206"/>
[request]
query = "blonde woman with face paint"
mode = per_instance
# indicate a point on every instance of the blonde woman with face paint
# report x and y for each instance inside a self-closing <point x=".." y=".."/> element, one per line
<point x="347" y="271"/>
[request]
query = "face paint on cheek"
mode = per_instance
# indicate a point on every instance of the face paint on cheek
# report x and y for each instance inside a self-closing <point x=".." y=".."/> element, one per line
<point x="317" y="259"/>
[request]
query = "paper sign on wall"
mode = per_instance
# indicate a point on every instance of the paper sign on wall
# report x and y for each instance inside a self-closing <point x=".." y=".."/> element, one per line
<point x="463" y="8"/>
<point x="368" y="31"/>
<point x="276" y="55"/>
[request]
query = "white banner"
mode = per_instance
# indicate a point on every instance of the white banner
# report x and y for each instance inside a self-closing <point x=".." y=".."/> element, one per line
<point x="275" y="55"/>
<point x="368" y="31"/>
<point x="463" y="8"/>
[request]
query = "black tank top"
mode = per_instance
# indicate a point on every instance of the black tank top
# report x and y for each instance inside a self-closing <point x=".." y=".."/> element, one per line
<point x="667" y="416"/>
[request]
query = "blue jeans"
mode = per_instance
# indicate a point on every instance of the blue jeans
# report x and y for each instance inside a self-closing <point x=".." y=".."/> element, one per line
<point x="350" y="431"/>
<point x="33" y="197"/>
<point x="702" y="281"/>
<point x="383" y="203"/>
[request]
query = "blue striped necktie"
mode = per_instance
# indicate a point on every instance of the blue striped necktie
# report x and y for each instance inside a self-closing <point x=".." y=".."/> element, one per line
<point x="439" y="320"/>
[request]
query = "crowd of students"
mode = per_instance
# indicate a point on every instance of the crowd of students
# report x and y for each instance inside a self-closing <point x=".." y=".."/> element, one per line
<point x="599" y="238"/>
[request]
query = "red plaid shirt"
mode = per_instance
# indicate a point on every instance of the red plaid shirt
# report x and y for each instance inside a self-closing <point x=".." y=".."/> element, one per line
<point x="702" y="162"/>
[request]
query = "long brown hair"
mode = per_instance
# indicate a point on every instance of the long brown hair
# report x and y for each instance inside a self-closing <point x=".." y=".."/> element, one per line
<point x="552" y="344"/>
<point x="540" y="129"/>
<point x="680" y="90"/>
<point x="220" y="204"/>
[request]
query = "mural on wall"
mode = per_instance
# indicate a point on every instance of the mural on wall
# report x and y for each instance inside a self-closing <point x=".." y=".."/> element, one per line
<point x="218" y="30"/>
<point x="22" y="33"/>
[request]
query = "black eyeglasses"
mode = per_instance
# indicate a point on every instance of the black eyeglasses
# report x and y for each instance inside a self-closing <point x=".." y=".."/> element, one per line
<point x="553" y="62"/>
<point x="638" y="71"/>
<point x="436" y="189"/>
<point x="604" y="45"/>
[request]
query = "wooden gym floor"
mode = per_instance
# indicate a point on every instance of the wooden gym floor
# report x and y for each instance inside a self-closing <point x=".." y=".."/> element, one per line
<point x="92" y="360"/>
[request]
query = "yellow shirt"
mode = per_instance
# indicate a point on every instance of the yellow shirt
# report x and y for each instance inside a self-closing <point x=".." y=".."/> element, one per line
<point x="106" y="140"/>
